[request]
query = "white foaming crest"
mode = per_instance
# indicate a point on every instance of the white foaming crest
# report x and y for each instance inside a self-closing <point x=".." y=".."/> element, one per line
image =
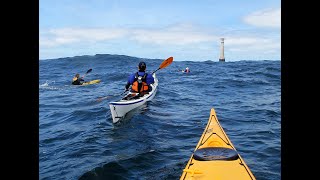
<point x="46" y="85"/>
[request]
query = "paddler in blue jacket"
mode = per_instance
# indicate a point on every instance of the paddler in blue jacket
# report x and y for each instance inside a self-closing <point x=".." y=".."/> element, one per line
<point x="140" y="80"/>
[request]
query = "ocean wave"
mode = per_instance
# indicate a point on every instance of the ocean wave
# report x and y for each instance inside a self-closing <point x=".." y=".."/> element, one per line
<point x="77" y="138"/>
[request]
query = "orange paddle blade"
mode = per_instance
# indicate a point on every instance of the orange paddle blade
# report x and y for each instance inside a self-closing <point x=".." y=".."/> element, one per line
<point x="166" y="63"/>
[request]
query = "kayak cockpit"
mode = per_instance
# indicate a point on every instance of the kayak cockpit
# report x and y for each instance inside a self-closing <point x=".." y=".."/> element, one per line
<point x="132" y="96"/>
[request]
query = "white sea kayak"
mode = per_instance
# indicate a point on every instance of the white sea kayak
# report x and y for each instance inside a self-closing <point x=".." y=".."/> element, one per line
<point x="130" y="101"/>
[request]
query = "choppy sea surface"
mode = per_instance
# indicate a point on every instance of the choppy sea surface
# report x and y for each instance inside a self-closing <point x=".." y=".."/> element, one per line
<point x="77" y="139"/>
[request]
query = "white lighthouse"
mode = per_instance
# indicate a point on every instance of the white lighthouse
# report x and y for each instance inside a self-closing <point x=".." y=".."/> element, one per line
<point x="222" y="50"/>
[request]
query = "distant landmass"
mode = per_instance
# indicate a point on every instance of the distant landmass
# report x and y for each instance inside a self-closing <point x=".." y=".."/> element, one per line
<point x="117" y="56"/>
<point x="98" y="56"/>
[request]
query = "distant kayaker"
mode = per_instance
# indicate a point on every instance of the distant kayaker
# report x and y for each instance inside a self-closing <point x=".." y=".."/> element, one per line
<point x="140" y="80"/>
<point x="77" y="80"/>
<point x="187" y="70"/>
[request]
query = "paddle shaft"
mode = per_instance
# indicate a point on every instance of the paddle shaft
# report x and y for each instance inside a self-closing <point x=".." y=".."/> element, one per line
<point x="155" y="71"/>
<point x="86" y="73"/>
<point x="164" y="64"/>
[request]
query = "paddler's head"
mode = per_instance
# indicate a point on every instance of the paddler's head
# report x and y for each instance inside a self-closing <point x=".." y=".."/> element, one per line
<point x="142" y="66"/>
<point x="77" y="75"/>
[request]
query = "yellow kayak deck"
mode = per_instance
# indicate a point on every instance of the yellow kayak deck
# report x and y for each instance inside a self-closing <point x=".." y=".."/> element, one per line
<point x="215" y="157"/>
<point x="91" y="82"/>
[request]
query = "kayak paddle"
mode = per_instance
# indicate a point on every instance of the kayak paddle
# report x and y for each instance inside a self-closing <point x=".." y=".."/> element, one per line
<point x="102" y="98"/>
<point x="87" y="73"/>
<point x="164" y="64"/>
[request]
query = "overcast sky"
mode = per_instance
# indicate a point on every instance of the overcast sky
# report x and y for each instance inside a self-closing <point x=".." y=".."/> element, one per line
<point x="184" y="29"/>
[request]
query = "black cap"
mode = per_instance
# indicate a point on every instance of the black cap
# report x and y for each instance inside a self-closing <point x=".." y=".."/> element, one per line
<point x="142" y="65"/>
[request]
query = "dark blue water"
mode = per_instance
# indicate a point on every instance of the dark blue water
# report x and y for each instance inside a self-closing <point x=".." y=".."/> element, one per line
<point x="79" y="141"/>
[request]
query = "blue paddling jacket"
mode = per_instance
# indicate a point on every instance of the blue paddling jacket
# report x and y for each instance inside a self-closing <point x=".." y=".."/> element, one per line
<point x="146" y="79"/>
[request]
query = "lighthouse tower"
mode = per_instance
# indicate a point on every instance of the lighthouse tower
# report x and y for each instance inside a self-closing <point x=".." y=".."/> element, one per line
<point x="222" y="50"/>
